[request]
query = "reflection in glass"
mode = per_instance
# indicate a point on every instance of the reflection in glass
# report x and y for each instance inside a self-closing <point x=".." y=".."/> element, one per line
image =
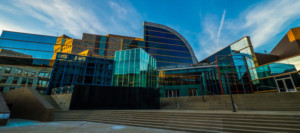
<point x="135" y="68"/>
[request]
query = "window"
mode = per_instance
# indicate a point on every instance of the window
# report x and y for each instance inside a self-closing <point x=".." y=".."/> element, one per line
<point x="31" y="74"/>
<point x="24" y="81"/>
<point x="1" y="88"/>
<point x="41" y="74"/>
<point x="11" y="89"/>
<point x="172" y="93"/>
<point x="7" y="70"/>
<point x="25" y="73"/>
<point x="3" y="79"/>
<point x="19" y="71"/>
<point x="192" y="92"/>
<point x="30" y="81"/>
<point x="15" y="81"/>
<point x="0" y="68"/>
<point x="44" y="83"/>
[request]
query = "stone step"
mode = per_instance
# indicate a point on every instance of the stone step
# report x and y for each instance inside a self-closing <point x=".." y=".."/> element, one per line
<point x="188" y="121"/>
<point x="214" y="125"/>
<point x="289" y="124"/>
<point x="193" y="115"/>
<point x="191" y="128"/>
<point x="191" y="118"/>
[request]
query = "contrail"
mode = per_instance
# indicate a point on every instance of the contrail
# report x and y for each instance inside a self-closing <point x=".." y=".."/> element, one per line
<point x="221" y="26"/>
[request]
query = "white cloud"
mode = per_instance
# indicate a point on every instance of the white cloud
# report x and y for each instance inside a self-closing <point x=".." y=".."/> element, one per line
<point x="72" y="18"/>
<point x="62" y="15"/>
<point x="9" y="26"/>
<point x="122" y="12"/>
<point x="266" y="20"/>
<point x="261" y="22"/>
<point x="210" y="39"/>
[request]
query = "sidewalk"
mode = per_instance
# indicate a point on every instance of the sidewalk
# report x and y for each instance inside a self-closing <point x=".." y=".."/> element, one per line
<point x="25" y="126"/>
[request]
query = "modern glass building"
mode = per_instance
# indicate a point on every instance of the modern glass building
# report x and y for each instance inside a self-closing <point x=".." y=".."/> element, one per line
<point x="37" y="46"/>
<point x="167" y="46"/>
<point x="233" y="72"/>
<point x="281" y="76"/>
<point x="72" y="69"/>
<point x="280" y="69"/>
<point x="24" y="61"/>
<point x="162" y="58"/>
<point x="188" y="81"/>
<point x="135" y="68"/>
<point x="106" y="46"/>
<point x="14" y="77"/>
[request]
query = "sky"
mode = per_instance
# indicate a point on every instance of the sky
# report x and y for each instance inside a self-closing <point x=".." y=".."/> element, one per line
<point x="208" y="25"/>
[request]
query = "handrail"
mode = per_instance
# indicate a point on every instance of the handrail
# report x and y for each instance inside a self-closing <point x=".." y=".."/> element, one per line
<point x="222" y="98"/>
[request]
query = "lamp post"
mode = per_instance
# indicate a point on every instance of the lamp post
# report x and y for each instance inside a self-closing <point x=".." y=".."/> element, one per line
<point x="232" y="102"/>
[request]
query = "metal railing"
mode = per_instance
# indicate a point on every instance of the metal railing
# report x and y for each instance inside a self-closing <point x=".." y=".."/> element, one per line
<point x="219" y="96"/>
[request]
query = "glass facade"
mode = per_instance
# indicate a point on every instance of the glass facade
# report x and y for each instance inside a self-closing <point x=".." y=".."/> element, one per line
<point x="282" y="76"/>
<point x="72" y="69"/>
<point x="36" y="46"/>
<point x="13" y="77"/>
<point x="167" y="46"/>
<point x="24" y="61"/>
<point x="135" y="68"/>
<point x="233" y="68"/>
<point x="189" y="81"/>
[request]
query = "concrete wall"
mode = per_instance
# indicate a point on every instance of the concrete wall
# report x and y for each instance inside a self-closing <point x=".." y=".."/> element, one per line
<point x="265" y="58"/>
<point x="285" y="48"/>
<point x="4" y="111"/>
<point x="28" y="104"/>
<point x="63" y="100"/>
<point x="261" y="101"/>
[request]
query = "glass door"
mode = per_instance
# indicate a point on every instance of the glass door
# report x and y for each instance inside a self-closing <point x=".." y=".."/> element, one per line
<point x="289" y="85"/>
<point x="285" y="85"/>
<point x="280" y="85"/>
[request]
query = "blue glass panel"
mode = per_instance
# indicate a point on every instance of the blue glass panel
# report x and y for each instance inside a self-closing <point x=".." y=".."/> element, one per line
<point x="156" y="29"/>
<point x="164" y="40"/>
<point x="169" y="53"/>
<point x="161" y="34"/>
<point x="36" y="46"/>
<point x="166" y="46"/>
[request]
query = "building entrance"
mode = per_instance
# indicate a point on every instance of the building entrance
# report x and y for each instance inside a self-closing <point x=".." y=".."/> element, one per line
<point x="285" y="84"/>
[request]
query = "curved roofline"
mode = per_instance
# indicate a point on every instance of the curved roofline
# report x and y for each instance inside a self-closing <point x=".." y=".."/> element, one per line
<point x="177" y="34"/>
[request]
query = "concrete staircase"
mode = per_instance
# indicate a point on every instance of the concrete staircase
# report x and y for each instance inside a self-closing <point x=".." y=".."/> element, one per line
<point x="191" y="121"/>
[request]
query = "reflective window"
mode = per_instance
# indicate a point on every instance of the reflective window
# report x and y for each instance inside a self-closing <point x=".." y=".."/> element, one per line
<point x="15" y="80"/>
<point x="7" y="69"/>
<point x="19" y="71"/>
<point x="72" y="69"/>
<point x="135" y="68"/>
<point x="162" y="42"/>
<point x="3" y="79"/>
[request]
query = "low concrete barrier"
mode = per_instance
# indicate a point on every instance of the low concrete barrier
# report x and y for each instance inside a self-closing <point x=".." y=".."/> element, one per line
<point x="63" y="100"/>
<point x="261" y="101"/>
